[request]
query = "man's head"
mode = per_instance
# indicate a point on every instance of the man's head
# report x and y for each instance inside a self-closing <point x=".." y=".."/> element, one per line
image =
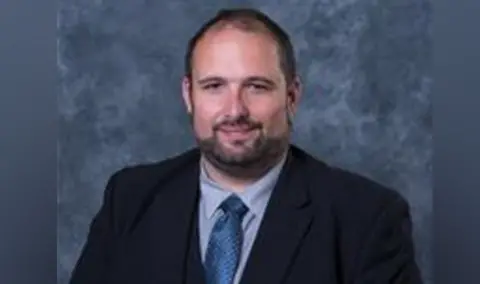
<point x="241" y="89"/>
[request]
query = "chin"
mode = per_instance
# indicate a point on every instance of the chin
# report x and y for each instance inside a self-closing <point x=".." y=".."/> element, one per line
<point x="234" y="150"/>
<point x="236" y="147"/>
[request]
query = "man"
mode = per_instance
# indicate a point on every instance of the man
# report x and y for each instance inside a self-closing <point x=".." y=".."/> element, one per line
<point x="246" y="206"/>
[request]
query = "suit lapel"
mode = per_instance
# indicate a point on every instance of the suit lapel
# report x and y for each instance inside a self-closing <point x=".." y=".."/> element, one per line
<point x="172" y="222"/>
<point x="285" y="223"/>
<point x="194" y="270"/>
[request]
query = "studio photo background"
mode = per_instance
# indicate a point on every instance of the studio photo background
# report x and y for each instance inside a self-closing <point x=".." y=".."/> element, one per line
<point x="366" y="107"/>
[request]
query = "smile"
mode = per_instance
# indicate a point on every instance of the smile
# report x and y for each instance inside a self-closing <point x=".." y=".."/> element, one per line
<point x="236" y="132"/>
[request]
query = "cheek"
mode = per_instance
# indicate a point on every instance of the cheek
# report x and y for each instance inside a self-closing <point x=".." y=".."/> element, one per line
<point x="274" y="120"/>
<point x="203" y="120"/>
<point x="201" y="124"/>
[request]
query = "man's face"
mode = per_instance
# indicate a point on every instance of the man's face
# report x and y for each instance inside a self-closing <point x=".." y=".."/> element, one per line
<point x="238" y="97"/>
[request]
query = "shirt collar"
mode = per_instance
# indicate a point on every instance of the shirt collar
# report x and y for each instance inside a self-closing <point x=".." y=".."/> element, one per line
<point x="255" y="196"/>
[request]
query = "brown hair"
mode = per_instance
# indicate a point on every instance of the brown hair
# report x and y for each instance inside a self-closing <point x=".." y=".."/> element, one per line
<point x="250" y="20"/>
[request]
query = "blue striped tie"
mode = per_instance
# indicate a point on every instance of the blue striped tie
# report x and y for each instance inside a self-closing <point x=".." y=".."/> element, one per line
<point x="223" y="251"/>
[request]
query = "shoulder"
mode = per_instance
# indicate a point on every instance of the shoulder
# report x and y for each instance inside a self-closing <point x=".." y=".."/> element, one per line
<point x="352" y="197"/>
<point x="143" y="176"/>
<point x="358" y="192"/>
<point x="129" y="188"/>
<point x="364" y="213"/>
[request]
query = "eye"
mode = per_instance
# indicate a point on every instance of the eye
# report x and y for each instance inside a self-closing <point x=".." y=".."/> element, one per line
<point x="258" y="87"/>
<point x="212" y="86"/>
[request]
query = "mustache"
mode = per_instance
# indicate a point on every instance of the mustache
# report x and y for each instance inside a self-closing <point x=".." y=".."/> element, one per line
<point x="242" y="120"/>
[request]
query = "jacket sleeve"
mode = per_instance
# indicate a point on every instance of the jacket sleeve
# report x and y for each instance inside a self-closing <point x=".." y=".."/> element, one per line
<point x="94" y="260"/>
<point x="387" y="256"/>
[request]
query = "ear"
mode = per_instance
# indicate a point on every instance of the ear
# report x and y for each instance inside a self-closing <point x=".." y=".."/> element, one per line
<point x="186" y="93"/>
<point x="293" y="95"/>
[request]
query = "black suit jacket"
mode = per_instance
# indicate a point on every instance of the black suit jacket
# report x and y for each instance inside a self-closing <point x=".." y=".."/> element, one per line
<point x="322" y="225"/>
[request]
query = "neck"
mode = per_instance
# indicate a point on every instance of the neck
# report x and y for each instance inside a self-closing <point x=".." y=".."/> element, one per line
<point x="238" y="180"/>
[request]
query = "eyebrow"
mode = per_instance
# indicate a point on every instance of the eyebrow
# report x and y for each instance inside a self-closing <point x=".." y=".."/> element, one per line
<point x="210" y="79"/>
<point x="265" y="80"/>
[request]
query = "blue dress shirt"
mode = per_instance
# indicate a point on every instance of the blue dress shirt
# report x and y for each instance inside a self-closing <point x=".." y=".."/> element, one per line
<point x="255" y="197"/>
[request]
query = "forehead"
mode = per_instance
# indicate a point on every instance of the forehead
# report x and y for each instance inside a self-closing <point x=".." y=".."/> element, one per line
<point x="229" y="51"/>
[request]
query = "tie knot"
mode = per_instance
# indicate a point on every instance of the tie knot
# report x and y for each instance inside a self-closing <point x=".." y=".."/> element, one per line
<point x="235" y="206"/>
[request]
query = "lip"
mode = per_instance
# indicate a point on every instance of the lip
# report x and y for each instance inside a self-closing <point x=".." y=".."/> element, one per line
<point x="235" y="130"/>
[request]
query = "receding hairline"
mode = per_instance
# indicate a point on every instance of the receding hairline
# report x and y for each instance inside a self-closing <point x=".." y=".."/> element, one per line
<point x="249" y="21"/>
<point x="248" y="26"/>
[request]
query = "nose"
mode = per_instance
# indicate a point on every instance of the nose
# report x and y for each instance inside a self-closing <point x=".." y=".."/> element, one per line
<point x="237" y="106"/>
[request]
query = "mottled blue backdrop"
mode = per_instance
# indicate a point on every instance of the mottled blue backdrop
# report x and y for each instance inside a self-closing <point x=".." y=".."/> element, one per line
<point x="365" y="64"/>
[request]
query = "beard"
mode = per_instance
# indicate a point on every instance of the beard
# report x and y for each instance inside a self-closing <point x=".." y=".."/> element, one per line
<point x="256" y="156"/>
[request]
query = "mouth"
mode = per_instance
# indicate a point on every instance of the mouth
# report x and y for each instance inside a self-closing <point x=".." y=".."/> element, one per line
<point x="235" y="129"/>
<point x="237" y="132"/>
